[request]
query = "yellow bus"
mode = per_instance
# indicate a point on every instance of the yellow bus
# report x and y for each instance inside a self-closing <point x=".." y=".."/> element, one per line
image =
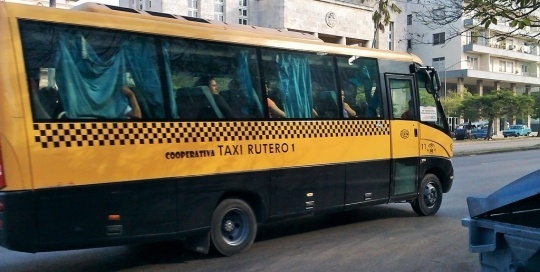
<point x="120" y="126"/>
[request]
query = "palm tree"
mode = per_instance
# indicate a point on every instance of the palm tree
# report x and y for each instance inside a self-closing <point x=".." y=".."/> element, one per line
<point x="381" y="17"/>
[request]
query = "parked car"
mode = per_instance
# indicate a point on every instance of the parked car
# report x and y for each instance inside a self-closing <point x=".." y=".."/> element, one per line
<point x="480" y="133"/>
<point x="517" y="130"/>
<point x="461" y="131"/>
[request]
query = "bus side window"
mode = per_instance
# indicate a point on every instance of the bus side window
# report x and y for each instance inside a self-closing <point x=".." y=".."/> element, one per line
<point x="323" y="77"/>
<point x="292" y="74"/>
<point x="88" y="68"/>
<point x="234" y="69"/>
<point x="402" y="101"/>
<point x="359" y="78"/>
<point x="44" y="99"/>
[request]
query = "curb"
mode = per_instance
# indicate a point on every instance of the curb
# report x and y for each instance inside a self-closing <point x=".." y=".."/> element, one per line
<point x="498" y="150"/>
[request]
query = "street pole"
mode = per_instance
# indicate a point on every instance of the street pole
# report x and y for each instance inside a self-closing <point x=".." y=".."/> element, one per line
<point x="446" y="69"/>
<point x="444" y="84"/>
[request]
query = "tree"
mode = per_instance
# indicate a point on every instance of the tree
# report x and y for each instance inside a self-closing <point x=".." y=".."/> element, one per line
<point x="453" y="101"/>
<point x="494" y="105"/>
<point x="519" y="13"/>
<point x="536" y="109"/>
<point x="442" y="14"/>
<point x="381" y="17"/>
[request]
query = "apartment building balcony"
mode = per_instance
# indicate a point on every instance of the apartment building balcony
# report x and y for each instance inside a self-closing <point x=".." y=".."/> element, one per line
<point x="491" y="78"/>
<point x="518" y="52"/>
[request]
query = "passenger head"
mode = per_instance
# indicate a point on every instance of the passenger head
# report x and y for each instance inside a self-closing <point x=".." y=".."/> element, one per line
<point x="212" y="85"/>
<point x="210" y="82"/>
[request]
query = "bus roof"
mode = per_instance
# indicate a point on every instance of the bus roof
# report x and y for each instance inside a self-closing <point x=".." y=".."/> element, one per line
<point x="113" y="17"/>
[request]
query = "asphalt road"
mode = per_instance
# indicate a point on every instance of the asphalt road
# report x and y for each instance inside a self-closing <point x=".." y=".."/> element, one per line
<point x="382" y="238"/>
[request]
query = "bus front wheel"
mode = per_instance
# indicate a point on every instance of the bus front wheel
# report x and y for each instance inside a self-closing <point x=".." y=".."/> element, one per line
<point x="430" y="196"/>
<point x="234" y="227"/>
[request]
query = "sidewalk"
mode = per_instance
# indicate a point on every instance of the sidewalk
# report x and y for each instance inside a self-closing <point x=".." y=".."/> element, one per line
<point x="498" y="144"/>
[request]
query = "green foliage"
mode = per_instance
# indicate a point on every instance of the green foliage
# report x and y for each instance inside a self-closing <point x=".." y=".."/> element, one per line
<point x="520" y="13"/>
<point x="453" y="101"/>
<point x="496" y="104"/>
<point x="536" y="105"/>
<point x="426" y="99"/>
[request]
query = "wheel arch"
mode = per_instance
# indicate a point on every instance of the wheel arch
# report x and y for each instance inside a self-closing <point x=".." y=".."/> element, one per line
<point x="442" y="169"/>
<point x="253" y="199"/>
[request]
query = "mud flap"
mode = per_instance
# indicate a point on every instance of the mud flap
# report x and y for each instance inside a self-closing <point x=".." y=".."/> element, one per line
<point x="199" y="243"/>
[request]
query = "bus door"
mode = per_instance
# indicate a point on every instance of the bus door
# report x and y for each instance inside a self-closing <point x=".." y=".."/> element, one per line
<point x="404" y="135"/>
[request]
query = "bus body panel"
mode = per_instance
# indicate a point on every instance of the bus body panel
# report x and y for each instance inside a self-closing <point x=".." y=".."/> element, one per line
<point x="368" y="181"/>
<point x="197" y="153"/>
<point x="433" y="142"/>
<point x="13" y="137"/>
<point x="19" y="228"/>
<point x="155" y="210"/>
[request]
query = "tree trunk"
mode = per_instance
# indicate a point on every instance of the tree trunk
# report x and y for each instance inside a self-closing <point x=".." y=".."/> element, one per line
<point x="375" y="41"/>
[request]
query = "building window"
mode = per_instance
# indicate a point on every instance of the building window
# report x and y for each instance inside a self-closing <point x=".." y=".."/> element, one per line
<point x="524" y="70"/>
<point x="193" y="8"/>
<point x="243" y="12"/>
<point x="439" y="63"/>
<point x="438" y="38"/>
<point x="409" y="43"/>
<point x="506" y="66"/>
<point x="391" y="36"/>
<point x="219" y="10"/>
<point x="472" y="62"/>
<point x="509" y="67"/>
<point x="409" y="19"/>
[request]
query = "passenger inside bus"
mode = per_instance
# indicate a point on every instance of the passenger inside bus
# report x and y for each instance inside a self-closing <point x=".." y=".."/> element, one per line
<point x="273" y="110"/>
<point x="133" y="110"/>
<point x="409" y="113"/>
<point x="236" y="98"/>
<point x="211" y="83"/>
<point x="45" y="100"/>
<point x="348" y="112"/>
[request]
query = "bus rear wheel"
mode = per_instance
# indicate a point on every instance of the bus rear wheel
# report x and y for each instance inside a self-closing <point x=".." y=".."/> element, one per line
<point x="233" y="228"/>
<point x="430" y="196"/>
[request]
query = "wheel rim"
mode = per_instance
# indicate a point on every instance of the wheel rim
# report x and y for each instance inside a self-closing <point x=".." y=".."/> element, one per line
<point x="430" y="195"/>
<point x="235" y="227"/>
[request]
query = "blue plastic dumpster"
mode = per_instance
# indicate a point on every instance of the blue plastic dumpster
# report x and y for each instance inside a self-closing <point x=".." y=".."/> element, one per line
<point x="504" y="227"/>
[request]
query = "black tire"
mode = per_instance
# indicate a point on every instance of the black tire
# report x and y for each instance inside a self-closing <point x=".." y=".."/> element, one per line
<point x="233" y="228"/>
<point x="430" y="196"/>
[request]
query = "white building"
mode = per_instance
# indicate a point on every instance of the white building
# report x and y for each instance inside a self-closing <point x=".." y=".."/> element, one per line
<point x="334" y="21"/>
<point x="480" y="60"/>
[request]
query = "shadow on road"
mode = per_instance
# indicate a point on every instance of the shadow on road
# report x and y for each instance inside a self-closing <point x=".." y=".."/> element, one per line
<point x="315" y="223"/>
<point x="142" y="257"/>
